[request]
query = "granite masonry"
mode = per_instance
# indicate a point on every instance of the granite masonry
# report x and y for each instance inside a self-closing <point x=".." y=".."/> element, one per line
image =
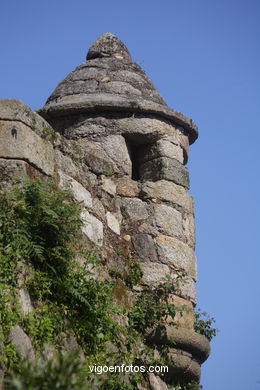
<point x="107" y="134"/>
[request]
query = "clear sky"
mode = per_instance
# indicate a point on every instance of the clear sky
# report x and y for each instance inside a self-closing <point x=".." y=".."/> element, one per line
<point x="203" y="56"/>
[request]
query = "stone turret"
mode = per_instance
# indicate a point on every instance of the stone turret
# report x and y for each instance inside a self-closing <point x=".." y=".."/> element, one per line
<point x="123" y="152"/>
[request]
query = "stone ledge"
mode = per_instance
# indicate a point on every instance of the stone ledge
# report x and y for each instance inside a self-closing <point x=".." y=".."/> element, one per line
<point x="82" y="103"/>
<point x="16" y="110"/>
<point x="18" y="141"/>
<point x="182" y="338"/>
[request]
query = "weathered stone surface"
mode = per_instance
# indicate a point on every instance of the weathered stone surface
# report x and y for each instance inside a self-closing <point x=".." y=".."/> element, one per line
<point x="135" y="209"/>
<point x="187" y="289"/>
<point x="121" y="87"/>
<point x="22" y="343"/>
<point x="79" y="192"/>
<point x="113" y="223"/>
<point x="177" y="254"/>
<point x="108" y="45"/>
<point x="93" y="228"/>
<point x="11" y="171"/>
<point x="98" y="160"/>
<point x="156" y="383"/>
<point x="184" y="142"/>
<point x="144" y="130"/>
<point x="189" y="229"/>
<point x="16" y="110"/>
<point x="183" y="363"/>
<point x="145" y="248"/>
<point x="110" y="81"/>
<point x="108" y="185"/>
<point x="82" y="173"/>
<point x="115" y="148"/>
<point x="186" y="339"/>
<point x="65" y="164"/>
<point x="184" y="315"/>
<point x="154" y="273"/>
<point x="60" y="104"/>
<point x="168" y="191"/>
<point x="161" y="148"/>
<point x="127" y="187"/>
<point x="25" y="301"/>
<point x="18" y="141"/>
<point x="165" y="168"/>
<point x="168" y="220"/>
<point x="99" y="209"/>
<point x="147" y="228"/>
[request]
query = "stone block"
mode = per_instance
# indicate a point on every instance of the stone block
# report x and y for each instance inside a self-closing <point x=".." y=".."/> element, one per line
<point x="185" y="144"/>
<point x="154" y="273"/>
<point x="144" y="130"/>
<point x="25" y="301"/>
<point x="176" y="254"/>
<point x="99" y="209"/>
<point x="127" y="187"/>
<point x="79" y="192"/>
<point x="18" y="141"/>
<point x="161" y="148"/>
<point x="190" y="341"/>
<point x="97" y="159"/>
<point x="156" y="382"/>
<point x="168" y="220"/>
<point x="145" y="247"/>
<point x="16" y="110"/>
<point x="165" y="168"/>
<point x="92" y="227"/>
<point x="184" y="316"/>
<point x="115" y="147"/>
<point x="113" y="223"/>
<point x="168" y="191"/>
<point x="22" y="343"/>
<point x="187" y="289"/>
<point x="135" y="209"/>
<point x="189" y="229"/>
<point x="12" y="171"/>
<point x="108" y="185"/>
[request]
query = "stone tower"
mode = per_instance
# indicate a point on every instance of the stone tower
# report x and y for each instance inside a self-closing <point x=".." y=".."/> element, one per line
<point x="123" y="152"/>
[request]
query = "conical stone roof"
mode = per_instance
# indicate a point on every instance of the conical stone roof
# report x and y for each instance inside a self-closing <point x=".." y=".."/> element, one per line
<point x="110" y="81"/>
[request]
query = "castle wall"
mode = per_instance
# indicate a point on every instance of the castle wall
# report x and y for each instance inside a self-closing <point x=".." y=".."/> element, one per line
<point x="129" y="174"/>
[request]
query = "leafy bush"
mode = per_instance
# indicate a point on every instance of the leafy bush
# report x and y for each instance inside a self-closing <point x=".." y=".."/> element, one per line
<point x="65" y="372"/>
<point x="203" y="325"/>
<point x="151" y="306"/>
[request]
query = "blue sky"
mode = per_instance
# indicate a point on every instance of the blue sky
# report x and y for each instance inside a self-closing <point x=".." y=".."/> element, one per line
<point x="203" y="56"/>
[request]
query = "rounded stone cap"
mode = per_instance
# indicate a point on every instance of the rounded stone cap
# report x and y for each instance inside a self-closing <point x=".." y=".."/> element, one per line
<point x="111" y="82"/>
<point x="108" y="45"/>
<point x="182" y="338"/>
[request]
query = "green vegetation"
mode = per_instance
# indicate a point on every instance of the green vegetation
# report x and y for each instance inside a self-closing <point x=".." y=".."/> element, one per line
<point x="41" y="233"/>
<point x="40" y="244"/>
<point x="151" y="306"/>
<point x="65" y="372"/>
<point x="203" y="325"/>
<point x="135" y="274"/>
